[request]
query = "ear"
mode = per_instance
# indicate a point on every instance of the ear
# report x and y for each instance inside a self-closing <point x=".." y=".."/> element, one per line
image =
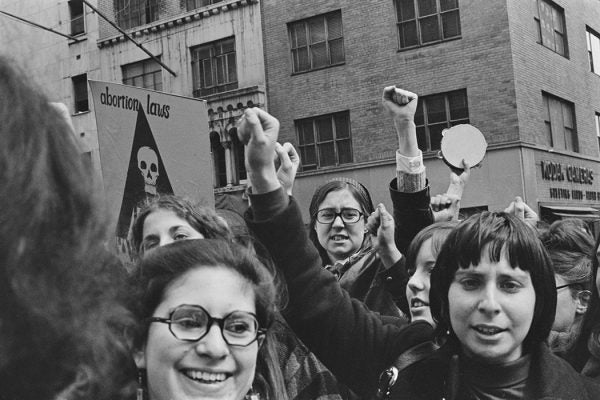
<point x="582" y="303"/>
<point x="261" y="340"/>
<point x="139" y="357"/>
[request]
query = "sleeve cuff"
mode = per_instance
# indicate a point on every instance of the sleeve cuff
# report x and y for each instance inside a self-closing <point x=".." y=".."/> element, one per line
<point x="265" y="205"/>
<point x="411" y="165"/>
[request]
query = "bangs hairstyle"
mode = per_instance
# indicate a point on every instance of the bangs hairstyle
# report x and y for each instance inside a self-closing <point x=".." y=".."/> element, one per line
<point x="358" y="191"/>
<point x="495" y="235"/>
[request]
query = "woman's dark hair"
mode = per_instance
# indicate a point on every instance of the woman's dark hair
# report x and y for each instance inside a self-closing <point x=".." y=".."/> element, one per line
<point x="570" y="245"/>
<point x="203" y="219"/>
<point x="588" y="341"/>
<point x="62" y="318"/>
<point x="154" y="274"/>
<point x="495" y="235"/>
<point x="360" y="194"/>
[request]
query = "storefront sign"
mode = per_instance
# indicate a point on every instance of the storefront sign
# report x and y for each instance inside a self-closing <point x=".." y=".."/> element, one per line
<point x="554" y="171"/>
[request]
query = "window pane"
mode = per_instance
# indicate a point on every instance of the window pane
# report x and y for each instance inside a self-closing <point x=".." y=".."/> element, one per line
<point x="430" y="30"/>
<point x="448" y="4"/>
<point x="319" y="55"/>
<point x="546" y="25"/>
<point x="408" y="34"/>
<point x="436" y="109"/>
<point x="435" y="134"/>
<point x="458" y="105"/>
<point x="301" y="59"/>
<point x="334" y="26"/>
<point x="557" y="20"/>
<point x="324" y="129"/>
<point x="422" y="138"/>
<point x="344" y="151"/>
<point x="309" y="157"/>
<point x="298" y="35"/>
<point x="305" y="130"/>
<point x="336" y="51"/>
<point x="427" y="7"/>
<point x="405" y="10"/>
<point x="569" y="139"/>
<point x="316" y="30"/>
<point x="326" y="154"/>
<point x="567" y="115"/>
<point x="559" y="43"/>
<point x="341" y="126"/>
<point x="451" y="24"/>
<point x="419" y="117"/>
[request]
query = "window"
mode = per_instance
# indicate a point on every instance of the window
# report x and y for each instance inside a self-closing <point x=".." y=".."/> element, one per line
<point x="132" y="13"/>
<point x="237" y="149"/>
<point x="80" y="93"/>
<point x="214" y="67"/>
<point x="438" y="112"/>
<point x="324" y="141"/>
<point x="218" y="156"/>
<point x="598" y="128"/>
<point x="422" y="22"/>
<point x="560" y="123"/>
<point x="317" y="42"/>
<point x="77" y="17"/>
<point x="193" y="4"/>
<point x="593" y="46"/>
<point x="552" y="32"/>
<point x="146" y="74"/>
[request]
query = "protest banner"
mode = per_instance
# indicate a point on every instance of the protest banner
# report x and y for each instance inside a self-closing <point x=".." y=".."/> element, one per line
<point x="150" y="143"/>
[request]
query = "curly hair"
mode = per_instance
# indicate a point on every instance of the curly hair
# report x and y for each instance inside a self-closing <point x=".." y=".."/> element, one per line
<point x="157" y="270"/>
<point x="203" y="219"/>
<point x="62" y="312"/>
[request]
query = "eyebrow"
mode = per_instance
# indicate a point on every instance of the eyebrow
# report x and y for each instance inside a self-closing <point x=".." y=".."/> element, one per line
<point x="516" y="275"/>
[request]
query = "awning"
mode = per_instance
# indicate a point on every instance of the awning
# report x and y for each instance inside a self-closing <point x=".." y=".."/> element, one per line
<point x="585" y="213"/>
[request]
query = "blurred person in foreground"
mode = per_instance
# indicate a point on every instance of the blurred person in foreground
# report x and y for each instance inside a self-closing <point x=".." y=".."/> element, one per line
<point x="61" y="312"/>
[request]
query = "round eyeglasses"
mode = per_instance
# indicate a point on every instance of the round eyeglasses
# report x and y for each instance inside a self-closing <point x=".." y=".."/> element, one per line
<point x="191" y="323"/>
<point x="348" y="215"/>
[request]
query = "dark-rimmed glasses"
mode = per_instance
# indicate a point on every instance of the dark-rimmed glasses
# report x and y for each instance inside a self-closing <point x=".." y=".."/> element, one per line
<point x="348" y="215"/>
<point x="191" y="323"/>
<point x="582" y="294"/>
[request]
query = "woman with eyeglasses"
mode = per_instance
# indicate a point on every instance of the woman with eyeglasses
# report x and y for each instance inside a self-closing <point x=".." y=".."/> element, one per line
<point x="570" y="246"/>
<point x="206" y="307"/>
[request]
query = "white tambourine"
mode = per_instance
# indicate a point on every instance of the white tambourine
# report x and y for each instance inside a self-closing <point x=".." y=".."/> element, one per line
<point x="460" y="142"/>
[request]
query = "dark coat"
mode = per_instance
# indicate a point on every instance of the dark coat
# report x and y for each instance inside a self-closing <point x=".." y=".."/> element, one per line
<point x="550" y="378"/>
<point x="353" y="342"/>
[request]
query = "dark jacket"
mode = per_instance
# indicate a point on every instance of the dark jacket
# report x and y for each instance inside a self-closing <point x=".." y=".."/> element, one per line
<point x="350" y="340"/>
<point x="366" y="279"/>
<point x="550" y="378"/>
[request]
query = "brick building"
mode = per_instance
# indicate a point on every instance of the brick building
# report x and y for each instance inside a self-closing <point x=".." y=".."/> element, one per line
<point x="525" y="72"/>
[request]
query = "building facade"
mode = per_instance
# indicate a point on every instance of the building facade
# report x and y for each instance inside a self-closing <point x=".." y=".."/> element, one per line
<point x="525" y="72"/>
<point x="209" y="49"/>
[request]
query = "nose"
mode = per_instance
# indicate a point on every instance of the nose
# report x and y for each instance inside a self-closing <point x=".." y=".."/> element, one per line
<point x="166" y="239"/>
<point x="337" y="221"/>
<point x="488" y="303"/>
<point x="213" y="345"/>
<point x="415" y="283"/>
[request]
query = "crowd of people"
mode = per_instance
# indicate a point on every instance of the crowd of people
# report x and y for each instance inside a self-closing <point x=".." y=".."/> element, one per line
<point x="416" y="303"/>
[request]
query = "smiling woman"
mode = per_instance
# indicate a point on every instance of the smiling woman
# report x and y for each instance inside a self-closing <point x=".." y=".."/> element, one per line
<point x="206" y="307"/>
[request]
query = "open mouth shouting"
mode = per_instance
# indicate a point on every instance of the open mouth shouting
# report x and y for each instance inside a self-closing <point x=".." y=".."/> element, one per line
<point x="418" y="303"/>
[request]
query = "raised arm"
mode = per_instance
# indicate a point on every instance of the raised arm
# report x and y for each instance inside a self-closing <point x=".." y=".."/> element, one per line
<point x="350" y="340"/>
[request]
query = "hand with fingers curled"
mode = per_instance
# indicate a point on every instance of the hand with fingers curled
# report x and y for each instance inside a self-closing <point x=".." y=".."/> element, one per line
<point x="380" y="224"/>
<point x="521" y="210"/>
<point x="446" y="206"/>
<point x="401" y="105"/>
<point x="289" y="161"/>
<point x="259" y="130"/>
